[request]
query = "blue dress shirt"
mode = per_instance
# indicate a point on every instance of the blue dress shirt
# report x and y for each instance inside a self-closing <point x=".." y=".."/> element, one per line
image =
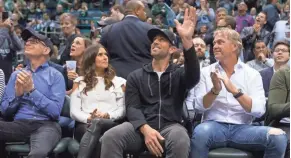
<point x="44" y="103"/>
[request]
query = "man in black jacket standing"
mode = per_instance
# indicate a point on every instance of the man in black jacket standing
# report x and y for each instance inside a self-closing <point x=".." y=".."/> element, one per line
<point x="154" y="99"/>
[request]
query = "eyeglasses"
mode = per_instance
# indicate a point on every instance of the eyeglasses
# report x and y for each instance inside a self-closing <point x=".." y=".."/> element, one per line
<point x="260" y="47"/>
<point x="201" y="45"/>
<point x="34" y="41"/>
<point x="283" y="50"/>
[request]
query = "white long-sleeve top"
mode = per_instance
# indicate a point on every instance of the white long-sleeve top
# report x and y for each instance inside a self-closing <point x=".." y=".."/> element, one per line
<point x="225" y="108"/>
<point x="106" y="101"/>
<point x="2" y="84"/>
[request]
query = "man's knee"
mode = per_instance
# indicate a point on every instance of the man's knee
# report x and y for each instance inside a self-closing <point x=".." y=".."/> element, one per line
<point x="179" y="137"/>
<point x="115" y="133"/>
<point x="203" y="130"/>
<point x="38" y="153"/>
<point x="278" y="139"/>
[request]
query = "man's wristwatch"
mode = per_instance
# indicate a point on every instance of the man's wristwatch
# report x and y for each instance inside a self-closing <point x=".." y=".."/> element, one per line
<point x="239" y="94"/>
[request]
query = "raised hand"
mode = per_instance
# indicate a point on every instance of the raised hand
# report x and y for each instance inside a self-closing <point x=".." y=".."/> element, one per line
<point x="216" y="80"/>
<point x="186" y="30"/>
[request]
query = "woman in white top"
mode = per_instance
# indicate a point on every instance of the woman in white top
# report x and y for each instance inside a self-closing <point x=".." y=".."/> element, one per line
<point x="98" y="99"/>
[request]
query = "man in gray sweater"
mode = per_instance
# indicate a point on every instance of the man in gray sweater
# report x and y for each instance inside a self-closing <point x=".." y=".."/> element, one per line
<point x="9" y="44"/>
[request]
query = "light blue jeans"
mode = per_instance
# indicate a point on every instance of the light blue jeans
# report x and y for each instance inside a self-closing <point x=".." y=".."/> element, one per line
<point x="212" y="134"/>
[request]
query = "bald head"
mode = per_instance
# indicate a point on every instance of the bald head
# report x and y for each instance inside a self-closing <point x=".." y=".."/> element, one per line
<point x="137" y="8"/>
<point x="133" y="5"/>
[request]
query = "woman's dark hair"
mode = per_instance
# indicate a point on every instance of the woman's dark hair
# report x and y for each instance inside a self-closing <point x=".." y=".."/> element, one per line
<point x="89" y="69"/>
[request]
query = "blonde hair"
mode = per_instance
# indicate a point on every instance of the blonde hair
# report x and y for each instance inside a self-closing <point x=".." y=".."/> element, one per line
<point x="231" y="35"/>
<point x="73" y="19"/>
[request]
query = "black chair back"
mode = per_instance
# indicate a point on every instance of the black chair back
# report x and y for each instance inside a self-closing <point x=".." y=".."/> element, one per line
<point x="66" y="107"/>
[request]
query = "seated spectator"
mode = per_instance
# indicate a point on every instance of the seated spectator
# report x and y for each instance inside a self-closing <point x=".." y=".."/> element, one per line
<point x="253" y="13"/>
<point x="34" y="98"/>
<point x="178" y="57"/>
<point x="14" y="18"/>
<point x="225" y="21"/>
<point x="227" y="4"/>
<point x="117" y="12"/>
<point x="278" y="114"/>
<point x="281" y="31"/>
<point x="262" y="59"/>
<point x="220" y="13"/>
<point x="83" y="11"/>
<point x="281" y="56"/>
<point x="76" y="6"/>
<point x="98" y="100"/>
<point x="59" y="11"/>
<point x="78" y="48"/>
<point x="67" y="4"/>
<point x="200" y="49"/>
<point x="229" y="95"/>
<point x="68" y="24"/>
<point x="155" y="113"/>
<point x="41" y="9"/>
<point x="150" y="21"/>
<point x="31" y="14"/>
<point x="159" y="9"/>
<point x="9" y="45"/>
<point x="2" y="84"/>
<point x="272" y="9"/>
<point x="205" y="14"/>
<point x="286" y="11"/>
<point x="202" y="31"/>
<point x="243" y="19"/>
<point x="251" y="34"/>
<point x="22" y="13"/>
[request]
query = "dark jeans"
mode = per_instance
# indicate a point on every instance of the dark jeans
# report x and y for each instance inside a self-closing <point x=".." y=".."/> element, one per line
<point x="80" y="130"/>
<point x="43" y="135"/>
<point x="90" y="140"/>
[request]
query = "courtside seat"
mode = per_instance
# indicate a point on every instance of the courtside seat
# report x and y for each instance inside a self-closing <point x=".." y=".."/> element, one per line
<point x="22" y="149"/>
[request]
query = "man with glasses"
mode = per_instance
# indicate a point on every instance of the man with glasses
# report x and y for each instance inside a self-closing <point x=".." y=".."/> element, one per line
<point x="33" y="99"/>
<point x="281" y="55"/>
<point x="261" y="54"/>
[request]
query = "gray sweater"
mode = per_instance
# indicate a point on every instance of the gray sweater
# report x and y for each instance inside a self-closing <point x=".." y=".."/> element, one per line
<point x="9" y="44"/>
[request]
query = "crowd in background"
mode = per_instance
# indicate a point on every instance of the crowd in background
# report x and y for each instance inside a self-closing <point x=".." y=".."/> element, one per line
<point x="73" y="26"/>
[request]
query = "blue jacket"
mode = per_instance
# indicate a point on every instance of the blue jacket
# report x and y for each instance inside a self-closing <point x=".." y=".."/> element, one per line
<point x="267" y="75"/>
<point x="129" y="46"/>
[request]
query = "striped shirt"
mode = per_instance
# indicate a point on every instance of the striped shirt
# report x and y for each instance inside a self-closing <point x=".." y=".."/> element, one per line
<point x="2" y="84"/>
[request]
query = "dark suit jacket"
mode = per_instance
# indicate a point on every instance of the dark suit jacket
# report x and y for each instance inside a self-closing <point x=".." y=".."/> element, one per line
<point x="127" y="44"/>
<point x="267" y="75"/>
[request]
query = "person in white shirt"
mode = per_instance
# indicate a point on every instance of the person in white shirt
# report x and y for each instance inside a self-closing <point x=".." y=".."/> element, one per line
<point x="200" y="49"/>
<point x="230" y="94"/>
<point x="98" y="99"/>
